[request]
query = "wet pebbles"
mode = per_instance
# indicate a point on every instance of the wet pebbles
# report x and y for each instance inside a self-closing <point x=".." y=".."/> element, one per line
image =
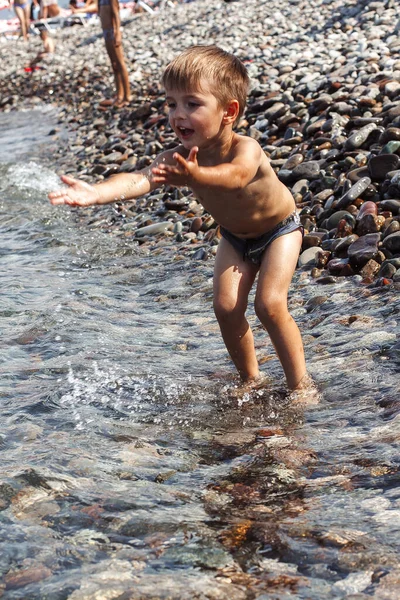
<point x="324" y="105"/>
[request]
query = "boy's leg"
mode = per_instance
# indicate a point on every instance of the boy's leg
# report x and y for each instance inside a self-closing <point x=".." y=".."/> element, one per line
<point x="233" y="279"/>
<point x="276" y="272"/>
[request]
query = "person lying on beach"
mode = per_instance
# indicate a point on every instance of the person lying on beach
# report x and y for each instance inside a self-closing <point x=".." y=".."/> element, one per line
<point x="49" y="9"/>
<point x="88" y="7"/>
<point x="231" y="176"/>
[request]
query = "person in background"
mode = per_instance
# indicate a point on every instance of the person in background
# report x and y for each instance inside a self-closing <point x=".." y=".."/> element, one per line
<point x="88" y="7"/>
<point x="35" y="10"/>
<point x="111" y="25"/>
<point x="22" y="9"/>
<point x="48" y="10"/>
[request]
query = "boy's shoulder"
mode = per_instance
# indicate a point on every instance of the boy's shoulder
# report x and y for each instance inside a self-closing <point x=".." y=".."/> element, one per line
<point x="245" y="141"/>
<point x="244" y="144"/>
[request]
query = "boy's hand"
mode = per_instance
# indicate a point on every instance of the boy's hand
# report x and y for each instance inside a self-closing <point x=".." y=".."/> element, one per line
<point x="182" y="173"/>
<point x="78" y="193"/>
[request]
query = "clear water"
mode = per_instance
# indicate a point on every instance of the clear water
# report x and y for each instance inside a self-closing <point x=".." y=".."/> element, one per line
<point x="130" y="469"/>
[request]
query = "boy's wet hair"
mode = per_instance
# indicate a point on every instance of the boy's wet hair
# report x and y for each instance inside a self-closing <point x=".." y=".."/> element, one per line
<point x="225" y="73"/>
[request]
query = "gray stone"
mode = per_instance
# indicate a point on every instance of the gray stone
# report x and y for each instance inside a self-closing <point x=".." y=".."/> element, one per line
<point x="307" y="170"/>
<point x="308" y="257"/>
<point x="154" y="228"/>
<point x="353" y="193"/>
<point x="358" y="138"/>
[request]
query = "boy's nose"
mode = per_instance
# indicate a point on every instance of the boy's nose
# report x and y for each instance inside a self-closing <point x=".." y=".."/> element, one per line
<point x="179" y="112"/>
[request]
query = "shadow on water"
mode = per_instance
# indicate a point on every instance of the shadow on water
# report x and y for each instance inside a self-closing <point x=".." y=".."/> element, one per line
<point x="133" y="467"/>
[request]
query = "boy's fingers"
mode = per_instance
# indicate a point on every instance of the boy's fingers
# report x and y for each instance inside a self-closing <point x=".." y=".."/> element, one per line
<point x="56" y="199"/>
<point x="68" y="180"/>
<point x="193" y="154"/>
<point x="180" y="160"/>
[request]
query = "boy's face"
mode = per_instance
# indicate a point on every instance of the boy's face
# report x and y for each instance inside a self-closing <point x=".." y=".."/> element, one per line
<point x="195" y="115"/>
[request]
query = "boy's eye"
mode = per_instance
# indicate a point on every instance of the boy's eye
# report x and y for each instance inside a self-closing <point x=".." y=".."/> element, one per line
<point x="192" y="104"/>
<point x="171" y="105"/>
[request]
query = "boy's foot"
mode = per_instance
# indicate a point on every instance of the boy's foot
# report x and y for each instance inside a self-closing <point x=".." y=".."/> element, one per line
<point x="306" y="393"/>
<point x="250" y="387"/>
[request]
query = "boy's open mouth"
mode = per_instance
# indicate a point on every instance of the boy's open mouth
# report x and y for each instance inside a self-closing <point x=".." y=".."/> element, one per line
<point x="184" y="132"/>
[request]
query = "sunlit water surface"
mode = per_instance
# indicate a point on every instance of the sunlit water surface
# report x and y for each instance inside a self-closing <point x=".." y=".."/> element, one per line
<point x="129" y="463"/>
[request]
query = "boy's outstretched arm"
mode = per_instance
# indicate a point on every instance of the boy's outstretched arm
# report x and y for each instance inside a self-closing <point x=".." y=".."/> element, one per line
<point x="124" y="186"/>
<point x="234" y="174"/>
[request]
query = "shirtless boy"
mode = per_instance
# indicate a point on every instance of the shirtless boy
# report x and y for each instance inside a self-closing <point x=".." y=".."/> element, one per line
<point x="206" y="91"/>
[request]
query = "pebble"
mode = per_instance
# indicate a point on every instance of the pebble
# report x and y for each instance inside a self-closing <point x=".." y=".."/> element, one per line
<point x="154" y="228"/>
<point x="308" y="257"/>
<point x="353" y="193"/>
<point x="364" y="249"/>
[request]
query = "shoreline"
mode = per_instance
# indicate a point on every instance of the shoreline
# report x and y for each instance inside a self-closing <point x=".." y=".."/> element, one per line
<point x="325" y="106"/>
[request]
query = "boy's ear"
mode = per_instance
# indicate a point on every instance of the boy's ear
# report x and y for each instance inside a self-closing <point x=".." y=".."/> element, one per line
<point x="231" y="112"/>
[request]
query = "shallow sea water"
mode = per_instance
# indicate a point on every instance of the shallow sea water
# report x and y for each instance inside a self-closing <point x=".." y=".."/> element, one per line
<point x="130" y="467"/>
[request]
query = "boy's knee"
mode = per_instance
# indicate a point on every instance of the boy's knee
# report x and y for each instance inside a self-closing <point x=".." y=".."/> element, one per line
<point x="228" y="310"/>
<point x="270" y="308"/>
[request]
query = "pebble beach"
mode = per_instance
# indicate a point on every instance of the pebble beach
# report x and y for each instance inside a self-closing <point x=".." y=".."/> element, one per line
<point x="132" y="468"/>
<point x="324" y="105"/>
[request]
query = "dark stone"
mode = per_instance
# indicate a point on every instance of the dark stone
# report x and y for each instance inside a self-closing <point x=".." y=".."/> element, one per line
<point x="364" y="249"/>
<point x="326" y="279"/>
<point x="322" y="259"/>
<point x="340" y="245"/>
<point x="391" y="133"/>
<point x="392" y="242"/>
<point x="391" y="228"/>
<point x="393" y="261"/>
<point x="286" y="176"/>
<point x="390" y="204"/>
<point x="336" y="265"/>
<point x="379" y="166"/>
<point x="370" y="223"/>
<point x="387" y="270"/>
<point x="334" y="219"/>
<point x="357" y="174"/>
<point x="310" y="241"/>
<point x="200" y="254"/>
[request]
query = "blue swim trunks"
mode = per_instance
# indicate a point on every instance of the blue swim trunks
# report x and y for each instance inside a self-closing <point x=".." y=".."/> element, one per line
<point x="254" y="248"/>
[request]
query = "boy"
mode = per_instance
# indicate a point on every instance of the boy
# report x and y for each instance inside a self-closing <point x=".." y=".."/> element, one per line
<point x="206" y="91"/>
